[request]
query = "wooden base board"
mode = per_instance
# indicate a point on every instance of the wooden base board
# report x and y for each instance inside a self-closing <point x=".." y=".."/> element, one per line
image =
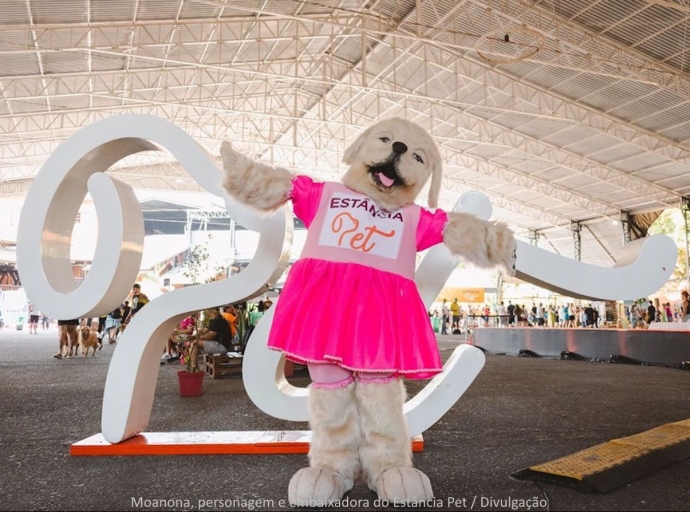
<point x="205" y="443"/>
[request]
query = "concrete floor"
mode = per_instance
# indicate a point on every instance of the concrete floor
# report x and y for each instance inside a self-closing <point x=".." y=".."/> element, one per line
<point x="519" y="412"/>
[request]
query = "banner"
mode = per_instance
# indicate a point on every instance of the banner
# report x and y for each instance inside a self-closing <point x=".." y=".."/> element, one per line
<point x="464" y="295"/>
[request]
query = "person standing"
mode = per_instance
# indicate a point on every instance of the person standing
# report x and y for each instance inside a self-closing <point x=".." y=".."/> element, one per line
<point x="511" y="313"/>
<point x="651" y="312"/>
<point x="501" y="313"/>
<point x="455" y="313"/>
<point x="445" y="317"/>
<point x="112" y="324"/>
<point x="634" y="314"/>
<point x="685" y="307"/>
<point x="33" y="319"/>
<point x="589" y="316"/>
<point x="101" y="326"/>
<point x="138" y="301"/>
<point x="518" y="315"/>
<point x="67" y="336"/>
<point x="230" y="314"/>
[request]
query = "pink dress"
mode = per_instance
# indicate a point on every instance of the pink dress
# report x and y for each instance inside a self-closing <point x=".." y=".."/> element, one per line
<point x="351" y="298"/>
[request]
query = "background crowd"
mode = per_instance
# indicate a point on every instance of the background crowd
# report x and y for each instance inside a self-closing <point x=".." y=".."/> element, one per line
<point x="453" y="317"/>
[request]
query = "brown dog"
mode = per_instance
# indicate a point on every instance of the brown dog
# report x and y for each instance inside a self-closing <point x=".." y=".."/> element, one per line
<point x="88" y="339"/>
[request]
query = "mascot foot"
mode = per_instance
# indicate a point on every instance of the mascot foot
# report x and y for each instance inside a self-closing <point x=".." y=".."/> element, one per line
<point x="316" y="487"/>
<point x="404" y="486"/>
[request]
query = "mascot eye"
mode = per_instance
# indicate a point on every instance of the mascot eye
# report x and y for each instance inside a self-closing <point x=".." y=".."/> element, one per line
<point x="385" y="140"/>
<point x="418" y="158"/>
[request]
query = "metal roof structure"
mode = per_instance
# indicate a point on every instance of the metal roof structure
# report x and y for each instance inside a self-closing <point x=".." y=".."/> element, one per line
<point x="561" y="111"/>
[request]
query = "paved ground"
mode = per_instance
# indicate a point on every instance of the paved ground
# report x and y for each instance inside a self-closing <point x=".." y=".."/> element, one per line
<point x="518" y="413"/>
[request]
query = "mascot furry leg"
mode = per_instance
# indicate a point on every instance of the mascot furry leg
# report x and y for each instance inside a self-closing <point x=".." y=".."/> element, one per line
<point x="333" y="457"/>
<point x="386" y="450"/>
<point x="358" y="426"/>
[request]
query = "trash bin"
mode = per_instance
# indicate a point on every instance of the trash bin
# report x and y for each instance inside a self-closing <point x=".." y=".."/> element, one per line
<point x="436" y="323"/>
<point x="20" y="323"/>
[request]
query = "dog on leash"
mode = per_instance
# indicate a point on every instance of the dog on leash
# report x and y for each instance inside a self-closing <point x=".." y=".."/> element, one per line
<point x="362" y="239"/>
<point x="88" y="339"/>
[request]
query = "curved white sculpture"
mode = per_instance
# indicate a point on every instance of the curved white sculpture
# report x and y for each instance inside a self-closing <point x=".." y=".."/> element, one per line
<point x="43" y="253"/>
<point x="44" y="243"/>
<point x="642" y="268"/>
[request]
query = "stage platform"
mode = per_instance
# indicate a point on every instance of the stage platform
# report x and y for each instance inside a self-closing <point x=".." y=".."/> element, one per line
<point x="667" y="348"/>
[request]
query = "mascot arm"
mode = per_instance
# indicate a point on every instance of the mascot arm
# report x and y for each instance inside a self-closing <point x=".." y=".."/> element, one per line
<point x="480" y="243"/>
<point x="253" y="183"/>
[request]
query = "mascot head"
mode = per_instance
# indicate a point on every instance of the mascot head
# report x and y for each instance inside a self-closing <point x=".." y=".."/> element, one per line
<point x="391" y="161"/>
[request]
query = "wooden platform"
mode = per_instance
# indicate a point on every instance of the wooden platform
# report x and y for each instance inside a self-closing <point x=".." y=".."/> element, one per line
<point x="205" y="443"/>
<point x="219" y="366"/>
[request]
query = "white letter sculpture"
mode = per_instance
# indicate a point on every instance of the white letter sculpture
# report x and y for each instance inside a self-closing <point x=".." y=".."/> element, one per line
<point x="78" y="165"/>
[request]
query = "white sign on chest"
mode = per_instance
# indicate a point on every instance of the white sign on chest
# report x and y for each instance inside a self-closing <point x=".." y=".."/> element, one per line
<point x="356" y="223"/>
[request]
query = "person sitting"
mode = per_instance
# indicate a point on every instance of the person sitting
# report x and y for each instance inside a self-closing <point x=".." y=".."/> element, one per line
<point x="216" y="338"/>
<point x="182" y="333"/>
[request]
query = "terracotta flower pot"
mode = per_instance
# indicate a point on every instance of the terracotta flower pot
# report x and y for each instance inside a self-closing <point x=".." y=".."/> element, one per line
<point x="191" y="383"/>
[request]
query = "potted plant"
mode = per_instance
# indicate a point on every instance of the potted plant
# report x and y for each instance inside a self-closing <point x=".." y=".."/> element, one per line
<point x="191" y="379"/>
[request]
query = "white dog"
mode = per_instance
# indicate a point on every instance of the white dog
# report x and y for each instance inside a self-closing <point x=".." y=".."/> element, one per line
<point x="360" y="254"/>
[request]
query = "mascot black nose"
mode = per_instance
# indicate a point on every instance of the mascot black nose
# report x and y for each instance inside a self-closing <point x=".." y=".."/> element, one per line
<point x="399" y="147"/>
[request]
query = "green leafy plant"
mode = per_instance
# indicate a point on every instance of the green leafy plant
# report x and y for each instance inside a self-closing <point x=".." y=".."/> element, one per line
<point x="185" y="346"/>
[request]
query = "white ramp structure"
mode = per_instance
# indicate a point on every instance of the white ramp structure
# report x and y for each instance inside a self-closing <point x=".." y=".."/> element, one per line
<point x="78" y="166"/>
<point x="643" y="267"/>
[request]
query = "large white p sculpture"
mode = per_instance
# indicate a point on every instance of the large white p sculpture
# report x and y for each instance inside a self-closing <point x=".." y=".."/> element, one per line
<point x="43" y="248"/>
<point x="78" y="165"/>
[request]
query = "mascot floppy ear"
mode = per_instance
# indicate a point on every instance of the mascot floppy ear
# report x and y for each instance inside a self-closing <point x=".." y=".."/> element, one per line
<point x="351" y="152"/>
<point x="436" y="177"/>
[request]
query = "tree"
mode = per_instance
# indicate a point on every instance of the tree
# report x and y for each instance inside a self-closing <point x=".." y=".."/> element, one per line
<point x="198" y="267"/>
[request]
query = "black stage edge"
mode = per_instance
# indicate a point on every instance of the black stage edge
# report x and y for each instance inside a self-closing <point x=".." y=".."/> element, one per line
<point x="637" y="346"/>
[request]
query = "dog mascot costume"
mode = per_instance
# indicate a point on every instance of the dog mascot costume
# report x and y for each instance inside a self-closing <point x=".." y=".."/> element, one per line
<point x="356" y="275"/>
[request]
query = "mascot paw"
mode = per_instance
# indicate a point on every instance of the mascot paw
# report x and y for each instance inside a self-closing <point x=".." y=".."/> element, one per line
<point x="404" y="486"/>
<point x="315" y="487"/>
<point x="505" y="248"/>
<point x="234" y="162"/>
